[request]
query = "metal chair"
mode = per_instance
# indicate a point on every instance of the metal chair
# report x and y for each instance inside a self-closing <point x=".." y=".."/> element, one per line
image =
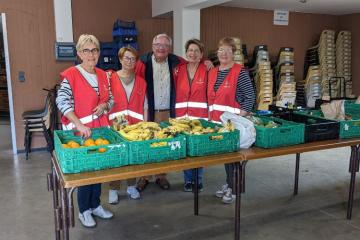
<point x="41" y="120"/>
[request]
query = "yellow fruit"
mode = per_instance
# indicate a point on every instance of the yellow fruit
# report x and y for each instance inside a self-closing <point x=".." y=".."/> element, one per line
<point x="73" y="144"/>
<point x="99" y="141"/>
<point x="102" y="150"/>
<point x="65" y="146"/>
<point x="89" y="142"/>
<point x="105" y="142"/>
<point x="91" y="145"/>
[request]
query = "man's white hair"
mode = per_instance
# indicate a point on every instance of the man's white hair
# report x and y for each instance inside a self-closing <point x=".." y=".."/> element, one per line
<point x="163" y="35"/>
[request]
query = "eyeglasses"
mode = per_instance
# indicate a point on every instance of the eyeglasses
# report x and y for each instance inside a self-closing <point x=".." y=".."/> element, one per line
<point x="196" y="51"/>
<point x="129" y="59"/>
<point x="160" y="45"/>
<point x="225" y="51"/>
<point x="92" y="51"/>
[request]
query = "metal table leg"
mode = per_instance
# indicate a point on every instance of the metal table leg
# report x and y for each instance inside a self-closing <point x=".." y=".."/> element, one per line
<point x="65" y="212"/>
<point x="239" y="168"/>
<point x="297" y="166"/>
<point x="353" y="169"/>
<point x="196" y="191"/>
<point x="53" y="186"/>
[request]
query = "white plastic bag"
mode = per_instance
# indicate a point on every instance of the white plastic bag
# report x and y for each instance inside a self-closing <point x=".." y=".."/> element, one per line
<point x="245" y="126"/>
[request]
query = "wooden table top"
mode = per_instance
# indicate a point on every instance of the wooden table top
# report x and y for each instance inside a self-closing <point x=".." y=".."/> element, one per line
<point x="126" y="172"/>
<point x="256" y="152"/>
<point x="121" y="173"/>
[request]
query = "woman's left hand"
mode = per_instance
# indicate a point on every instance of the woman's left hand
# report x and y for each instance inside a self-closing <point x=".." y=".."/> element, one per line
<point x="209" y="65"/>
<point x="100" y="109"/>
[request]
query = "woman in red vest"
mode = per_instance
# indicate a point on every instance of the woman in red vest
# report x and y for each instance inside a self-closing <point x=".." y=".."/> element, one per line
<point x="229" y="89"/>
<point x="191" y="100"/>
<point x="129" y="91"/>
<point x="84" y="99"/>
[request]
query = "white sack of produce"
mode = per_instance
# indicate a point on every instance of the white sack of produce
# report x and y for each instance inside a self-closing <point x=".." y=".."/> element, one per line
<point x="333" y="110"/>
<point x="245" y="126"/>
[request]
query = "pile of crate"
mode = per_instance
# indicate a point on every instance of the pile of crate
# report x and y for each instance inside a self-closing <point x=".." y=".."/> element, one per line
<point x="285" y="78"/>
<point x="327" y="64"/>
<point x="238" y="54"/>
<point x="263" y="77"/>
<point x="343" y="62"/>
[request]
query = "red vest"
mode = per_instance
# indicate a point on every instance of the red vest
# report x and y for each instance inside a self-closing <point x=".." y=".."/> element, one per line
<point x="224" y="98"/>
<point x="191" y="100"/>
<point x="132" y="109"/>
<point x="86" y="99"/>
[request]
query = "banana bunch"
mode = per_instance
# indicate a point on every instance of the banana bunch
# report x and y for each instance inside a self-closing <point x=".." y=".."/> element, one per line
<point x="193" y="127"/>
<point x="140" y="131"/>
<point x="228" y="127"/>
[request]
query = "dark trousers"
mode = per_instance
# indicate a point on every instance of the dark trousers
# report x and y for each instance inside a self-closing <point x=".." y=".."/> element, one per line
<point x="229" y="168"/>
<point x="88" y="197"/>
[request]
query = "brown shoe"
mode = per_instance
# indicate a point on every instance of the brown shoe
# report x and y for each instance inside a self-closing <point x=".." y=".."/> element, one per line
<point x="163" y="183"/>
<point x="141" y="184"/>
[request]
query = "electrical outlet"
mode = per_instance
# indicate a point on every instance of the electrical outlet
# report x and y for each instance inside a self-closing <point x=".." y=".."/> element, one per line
<point x="21" y="76"/>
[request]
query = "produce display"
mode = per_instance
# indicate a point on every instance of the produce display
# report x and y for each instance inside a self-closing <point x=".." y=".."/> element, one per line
<point x="89" y="142"/>
<point x="194" y="127"/>
<point x="259" y="122"/>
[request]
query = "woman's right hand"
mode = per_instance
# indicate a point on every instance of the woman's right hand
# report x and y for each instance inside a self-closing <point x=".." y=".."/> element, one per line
<point x="84" y="130"/>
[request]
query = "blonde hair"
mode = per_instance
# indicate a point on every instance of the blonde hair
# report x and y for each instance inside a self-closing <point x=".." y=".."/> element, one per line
<point x="123" y="50"/>
<point x="86" y="38"/>
<point x="227" y="41"/>
<point x="163" y="35"/>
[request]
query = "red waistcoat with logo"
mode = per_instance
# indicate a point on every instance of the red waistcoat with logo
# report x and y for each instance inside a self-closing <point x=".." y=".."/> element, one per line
<point x="86" y="98"/>
<point x="133" y="109"/>
<point x="191" y="100"/>
<point x="224" y="98"/>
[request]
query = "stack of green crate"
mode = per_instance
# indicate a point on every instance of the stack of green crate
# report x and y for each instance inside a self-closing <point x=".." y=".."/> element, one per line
<point x="287" y="133"/>
<point x="348" y="128"/>
<point x="84" y="159"/>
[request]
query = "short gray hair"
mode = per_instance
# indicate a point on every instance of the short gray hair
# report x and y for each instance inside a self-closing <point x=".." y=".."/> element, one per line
<point x="86" y="38"/>
<point x="163" y="35"/>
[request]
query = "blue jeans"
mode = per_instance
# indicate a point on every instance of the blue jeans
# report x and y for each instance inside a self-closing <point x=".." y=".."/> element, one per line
<point x="188" y="175"/>
<point x="88" y="197"/>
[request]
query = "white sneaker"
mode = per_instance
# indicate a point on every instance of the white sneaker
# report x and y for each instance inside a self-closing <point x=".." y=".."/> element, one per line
<point x="86" y="219"/>
<point x="133" y="192"/>
<point x="228" y="197"/>
<point x="113" y="197"/>
<point x="102" y="213"/>
<point x="220" y="193"/>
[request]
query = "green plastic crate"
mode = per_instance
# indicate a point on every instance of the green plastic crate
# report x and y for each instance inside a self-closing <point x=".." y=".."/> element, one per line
<point x="348" y="128"/>
<point x="351" y="107"/>
<point x="84" y="159"/>
<point x="288" y="133"/>
<point x="141" y="152"/>
<point x="202" y="145"/>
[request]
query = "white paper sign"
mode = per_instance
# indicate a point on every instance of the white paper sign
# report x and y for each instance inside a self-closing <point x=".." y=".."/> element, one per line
<point x="281" y="17"/>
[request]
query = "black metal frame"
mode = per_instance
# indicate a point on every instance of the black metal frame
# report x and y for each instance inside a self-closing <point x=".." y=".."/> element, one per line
<point x="64" y="207"/>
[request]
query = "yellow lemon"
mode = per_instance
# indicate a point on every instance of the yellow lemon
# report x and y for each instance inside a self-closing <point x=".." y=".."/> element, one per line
<point x="105" y="142"/>
<point x="89" y="142"/>
<point x="65" y="146"/>
<point x="99" y="141"/>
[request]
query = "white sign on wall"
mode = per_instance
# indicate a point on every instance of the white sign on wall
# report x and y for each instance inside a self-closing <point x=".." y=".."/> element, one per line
<point x="281" y="17"/>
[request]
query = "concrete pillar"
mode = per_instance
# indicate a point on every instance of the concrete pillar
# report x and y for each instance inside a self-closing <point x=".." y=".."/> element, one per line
<point x="186" y="26"/>
<point x="63" y="21"/>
